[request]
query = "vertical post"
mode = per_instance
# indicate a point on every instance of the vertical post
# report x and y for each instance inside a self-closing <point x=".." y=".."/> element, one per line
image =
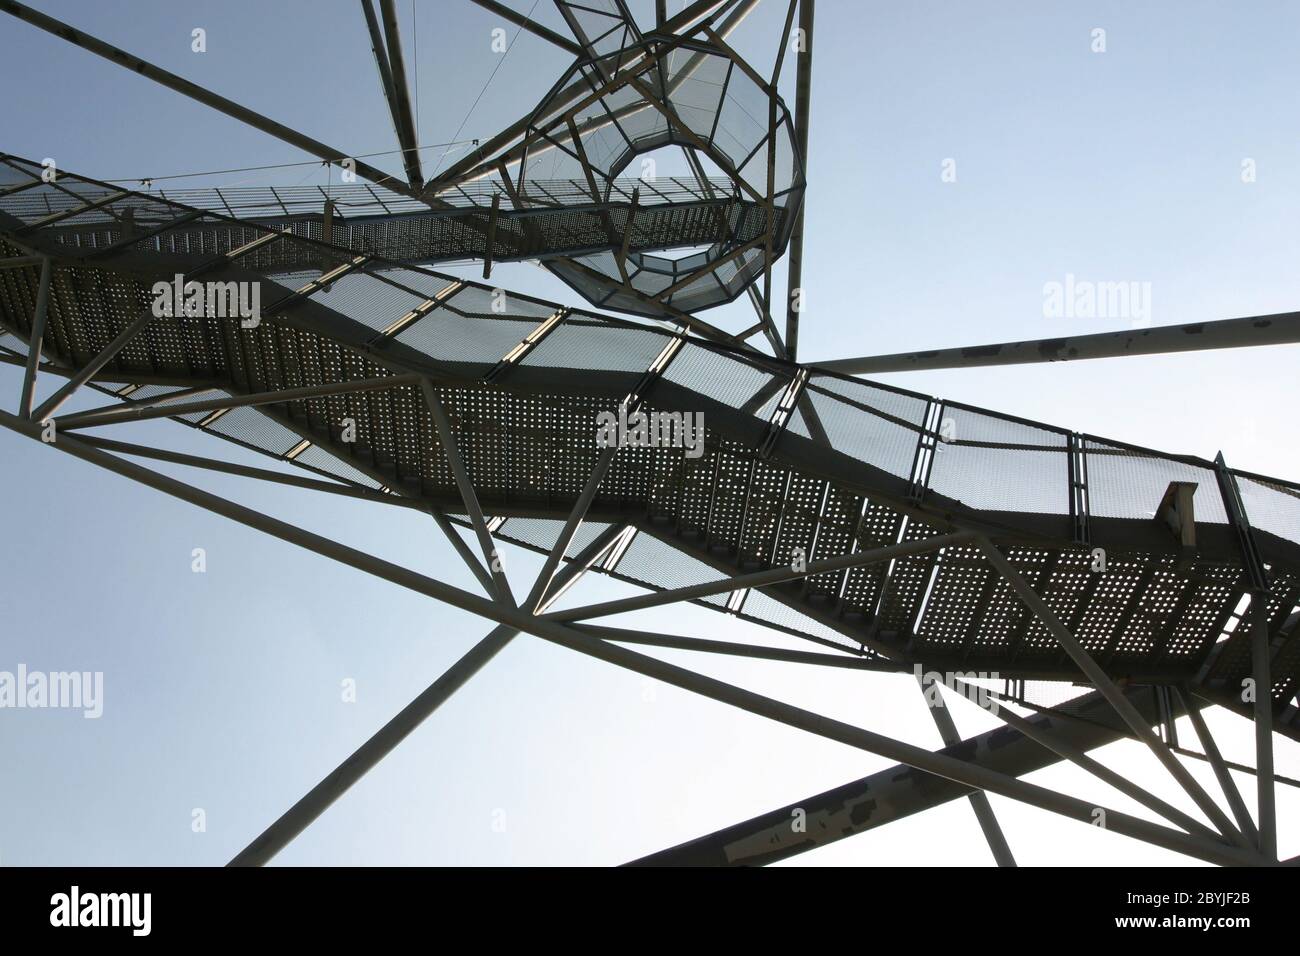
<point x="1267" y="799"/>
<point x="34" y="342"/>
<point x="802" y="96"/>
<point x="1077" y="472"/>
<point x="491" y="235"/>
<point x="1257" y="574"/>
<point x="327" y="224"/>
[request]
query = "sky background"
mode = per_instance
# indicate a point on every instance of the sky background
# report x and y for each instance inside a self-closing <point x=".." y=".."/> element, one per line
<point x="222" y="690"/>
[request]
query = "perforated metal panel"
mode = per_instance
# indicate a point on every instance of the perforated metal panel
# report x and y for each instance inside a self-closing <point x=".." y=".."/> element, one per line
<point x="527" y="438"/>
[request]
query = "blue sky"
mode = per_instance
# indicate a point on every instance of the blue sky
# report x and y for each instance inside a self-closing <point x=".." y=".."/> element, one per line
<point x="222" y="690"/>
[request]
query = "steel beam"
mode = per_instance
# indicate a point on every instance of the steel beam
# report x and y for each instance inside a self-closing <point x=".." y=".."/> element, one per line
<point x="738" y="649"/>
<point x="536" y="29"/>
<point x="571" y="525"/>
<point x="1080" y="759"/>
<point x="1282" y="328"/>
<point x="92" y="368"/>
<point x="802" y="108"/>
<point x="1260" y="671"/>
<point x="1221" y="772"/>
<point x="195" y="92"/>
<point x="249" y="471"/>
<point x="113" y="414"/>
<point x="579" y="564"/>
<point x="299" y="481"/>
<point x="899" y="791"/>
<point x="979" y="800"/>
<point x="1240" y="767"/>
<point x="397" y="65"/>
<point x="28" y="393"/>
<point x="115" y="378"/>
<point x="380" y="51"/>
<point x="466" y="554"/>
<point x="317" y="800"/>
<point x="477" y="519"/>
<point x="320" y="797"/>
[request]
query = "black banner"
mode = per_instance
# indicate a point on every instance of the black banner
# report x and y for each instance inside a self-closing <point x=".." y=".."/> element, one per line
<point x="336" y="905"/>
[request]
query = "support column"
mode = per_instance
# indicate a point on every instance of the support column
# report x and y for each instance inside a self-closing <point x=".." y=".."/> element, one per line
<point x="1260" y="670"/>
<point x="979" y="800"/>
<point x="301" y="815"/>
<point x="34" y="341"/>
<point x="802" y="107"/>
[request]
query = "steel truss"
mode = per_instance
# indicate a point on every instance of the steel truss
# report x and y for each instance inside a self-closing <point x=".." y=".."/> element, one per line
<point x="994" y="762"/>
<point x="1220" y="842"/>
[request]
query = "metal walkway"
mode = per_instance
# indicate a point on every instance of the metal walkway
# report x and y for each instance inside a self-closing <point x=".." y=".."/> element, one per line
<point x="794" y="458"/>
<point x="557" y="219"/>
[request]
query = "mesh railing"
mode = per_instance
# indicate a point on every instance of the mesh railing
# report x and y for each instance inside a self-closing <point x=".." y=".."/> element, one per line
<point x="362" y="199"/>
<point x="985" y="461"/>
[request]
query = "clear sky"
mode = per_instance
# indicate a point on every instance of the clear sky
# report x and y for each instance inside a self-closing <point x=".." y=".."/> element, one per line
<point x="222" y="690"/>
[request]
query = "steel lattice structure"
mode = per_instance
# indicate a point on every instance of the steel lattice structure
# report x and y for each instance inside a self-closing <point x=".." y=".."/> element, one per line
<point x="852" y="515"/>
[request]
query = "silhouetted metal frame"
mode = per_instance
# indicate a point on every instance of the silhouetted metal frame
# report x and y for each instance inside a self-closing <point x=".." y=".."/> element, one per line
<point x="593" y="641"/>
<point x="520" y="620"/>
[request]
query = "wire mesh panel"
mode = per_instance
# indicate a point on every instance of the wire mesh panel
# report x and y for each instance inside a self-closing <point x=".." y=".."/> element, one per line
<point x="876" y="425"/>
<point x="1127" y="482"/>
<point x="994" y="463"/>
<point x="770" y="612"/>
<point x="447" y="335"/>
<point x="363" y="298"/>
<point x="589" y="342"/>
<point x="721" y="377"/>
<point x="1271" y="506"/>
<point x="544" y="533"/>
<point x="658" y="565"/>
<point x="322" y="460"/>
